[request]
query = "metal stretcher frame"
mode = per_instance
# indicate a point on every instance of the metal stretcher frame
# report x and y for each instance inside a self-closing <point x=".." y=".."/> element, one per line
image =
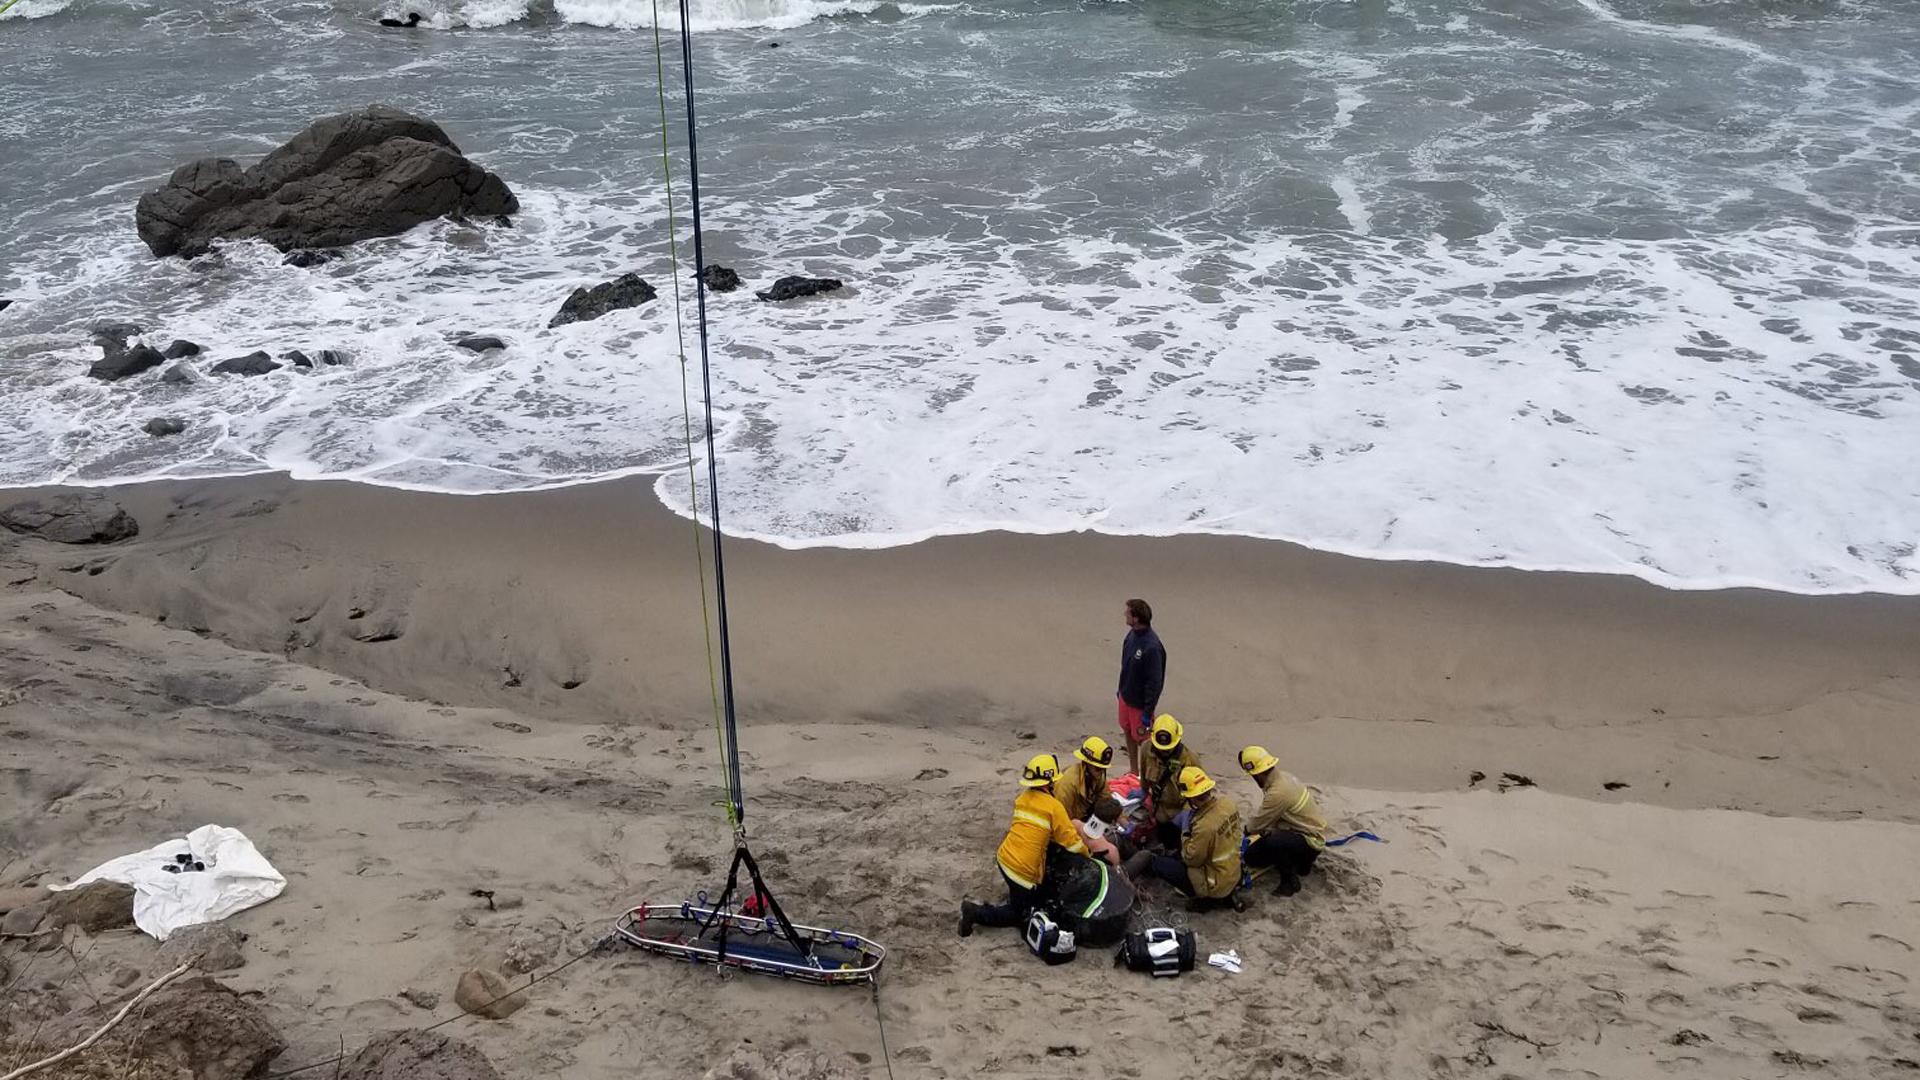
<point x="755" y="944"/>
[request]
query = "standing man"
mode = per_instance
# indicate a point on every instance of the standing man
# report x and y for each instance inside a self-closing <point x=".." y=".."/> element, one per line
<point x="1143" y="671"/>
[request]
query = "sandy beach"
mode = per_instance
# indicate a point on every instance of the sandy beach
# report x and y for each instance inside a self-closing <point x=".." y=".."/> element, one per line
<point x="1712" y="870"/>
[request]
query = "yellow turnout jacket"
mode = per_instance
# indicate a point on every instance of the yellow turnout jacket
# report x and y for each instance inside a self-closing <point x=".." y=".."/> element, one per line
<point x="1038" y="818"/>
<point x="1211" y="848"/>
<point x="1289" y="805"/>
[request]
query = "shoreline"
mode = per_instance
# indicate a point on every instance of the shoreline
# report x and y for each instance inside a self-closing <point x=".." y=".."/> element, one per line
<point x="504" y="600"/>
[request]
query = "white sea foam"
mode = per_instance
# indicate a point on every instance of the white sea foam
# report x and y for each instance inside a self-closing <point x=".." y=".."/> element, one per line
<point x="1700" y="414"/>
<point x="36" y="9"/>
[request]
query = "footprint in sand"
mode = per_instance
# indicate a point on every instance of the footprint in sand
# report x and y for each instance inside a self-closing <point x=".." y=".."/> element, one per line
<point x="1816" y="1016"/>
<point x="1755" y="956"/>
<point x="1666" y="1001"/>
<point x="1763" y="892"/>
<point x="1894" y="940"/>
<point x="1796" y="917"/>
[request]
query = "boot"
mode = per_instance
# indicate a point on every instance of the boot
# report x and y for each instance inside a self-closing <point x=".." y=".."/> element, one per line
<point x="969" y="914"/>
<point x="1289" y="884"/>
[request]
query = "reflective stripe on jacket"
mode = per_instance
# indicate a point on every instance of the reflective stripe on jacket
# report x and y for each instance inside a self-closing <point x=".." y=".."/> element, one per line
<point x="1211" y="849"/>
<point x="1038" y="818"/>
<point x="1079" y="788"/>
<point x="1160" y="775"/>
<point x="1289" y="805"/>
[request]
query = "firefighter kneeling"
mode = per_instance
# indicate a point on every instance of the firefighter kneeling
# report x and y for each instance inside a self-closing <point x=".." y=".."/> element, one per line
<point x="1208" y="869"/>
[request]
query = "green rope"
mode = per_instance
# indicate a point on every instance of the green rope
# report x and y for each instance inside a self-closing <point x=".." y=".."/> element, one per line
<point x="686" y="400"/>
<point x="8" y="4"/>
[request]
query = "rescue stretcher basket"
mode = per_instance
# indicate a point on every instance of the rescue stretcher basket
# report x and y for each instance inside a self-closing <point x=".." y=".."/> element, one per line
<point x="752" y="943"/>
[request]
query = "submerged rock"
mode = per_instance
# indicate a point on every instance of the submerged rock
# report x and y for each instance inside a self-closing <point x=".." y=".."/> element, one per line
<point x="114" y="335"/>
<point x="119" y="363"/>
<point x="719" y="279"/>
<point x="625" y="291"/>
<point x="164" y="425"/>
<point x="376" y="172"/>
<point x="789" y="288"/>
<point x="180" y="374"/>
<point x="254" y="363"/>
<point x="306" y="257"/>
<point x="479" y="343"/>
<point x="85" y="518"/>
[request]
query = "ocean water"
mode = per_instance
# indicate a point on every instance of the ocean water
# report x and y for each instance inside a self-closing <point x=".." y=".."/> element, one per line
<point x="1629" y="286"/>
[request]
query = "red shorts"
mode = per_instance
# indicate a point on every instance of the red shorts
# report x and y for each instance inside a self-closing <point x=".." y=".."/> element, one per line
<point x="1134" y="723"/>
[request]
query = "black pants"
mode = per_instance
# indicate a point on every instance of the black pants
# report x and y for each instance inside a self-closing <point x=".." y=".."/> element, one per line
<point x="1167" y="834"/>
<point x="1289" y="852"/>
<point x="1020" y="903"/>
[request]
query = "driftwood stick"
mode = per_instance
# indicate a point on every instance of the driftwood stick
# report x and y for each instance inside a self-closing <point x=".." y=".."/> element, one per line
<point x="104" y="1028"/>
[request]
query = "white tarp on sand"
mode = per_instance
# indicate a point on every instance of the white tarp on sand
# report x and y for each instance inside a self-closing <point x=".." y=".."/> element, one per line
<point x="236" y="878"/>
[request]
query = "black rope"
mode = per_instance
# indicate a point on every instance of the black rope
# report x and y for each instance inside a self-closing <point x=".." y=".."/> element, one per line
<point x="463" y="1014"/>
<point x="885" y="1054"/>
<point x="736" y="802"/>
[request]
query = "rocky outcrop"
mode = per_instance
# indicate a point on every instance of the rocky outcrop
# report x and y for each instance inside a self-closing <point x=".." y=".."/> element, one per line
<point x="254" y="363"/>
<point x="97" y="906"/>
<point x="479" y="343"/>
<point x="418" y="1055"/>
<point x="789" y="288"/>
<point x="719" y="279"/>
<point x="85" y="518"/>
<point x="164" y="425"/>
<point x="120" y="362"/>
<point x="351" y="177"/>
<point x="209" y="947"/>
<point x="193" y="1026"/>
<point x="181" y="349"/>
<point x="625" y="291"/>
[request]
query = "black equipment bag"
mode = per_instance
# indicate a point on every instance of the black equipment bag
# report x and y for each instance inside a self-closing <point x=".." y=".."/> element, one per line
<point x="1161" y="951"/>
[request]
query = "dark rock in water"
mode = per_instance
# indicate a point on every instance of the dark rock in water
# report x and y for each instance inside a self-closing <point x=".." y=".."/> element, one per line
<point x="5" y="303"/>
<point x="122" y="362"/>
<point x="193" y="1027"/>
<point x="789" y="288"/>
<point x="330" y="358"/>
<point x="351" y="177"/>
<point x="308" y="257"/>
<point x="479" y="343"/>
<point x="87" y="518"/>
<point x="418" y="1055"/>
<point x="181" y="348"/>
<point x="164" y="425"/>
<point x="180" y="374"/>
<point x="719" y="279"/>
<point x="254" y="363"/>
<point x="114" y="335"/>
<point x="584" y="305"/>
<point x="93" y="907"/>
<point x="297" y="358"/>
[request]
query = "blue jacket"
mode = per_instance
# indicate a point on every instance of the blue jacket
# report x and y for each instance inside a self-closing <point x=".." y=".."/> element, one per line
<point x="1143" y="669"/>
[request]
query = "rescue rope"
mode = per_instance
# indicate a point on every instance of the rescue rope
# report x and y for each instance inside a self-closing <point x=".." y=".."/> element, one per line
<point x="686" y="407"/>
<point x="8" y="4"/>
<point x="880" y="1017"/>
<point x="730" y="733"/>
<point x="598" y="944"/>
